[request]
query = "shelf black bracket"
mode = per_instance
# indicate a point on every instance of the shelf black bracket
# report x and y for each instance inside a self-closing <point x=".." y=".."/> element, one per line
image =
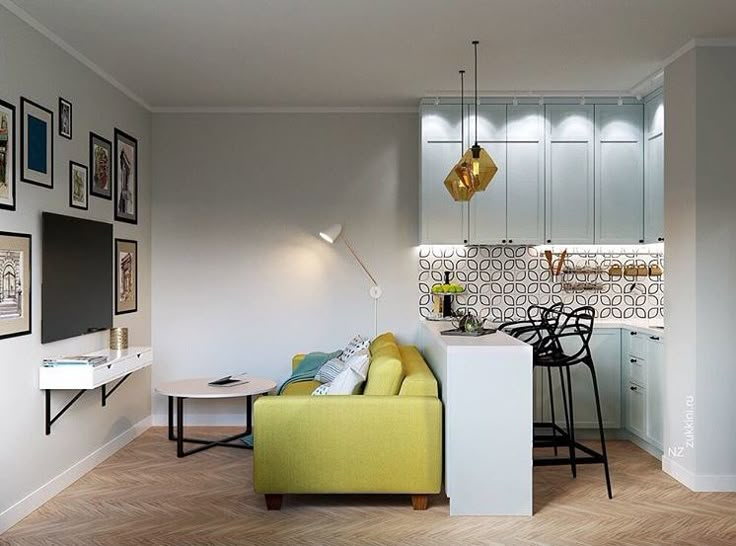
<point x="106" y="394"/>
<point x="49" y="420"/>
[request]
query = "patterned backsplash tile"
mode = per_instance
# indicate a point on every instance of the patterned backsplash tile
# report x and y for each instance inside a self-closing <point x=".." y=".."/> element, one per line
<point x="501" y="282"/>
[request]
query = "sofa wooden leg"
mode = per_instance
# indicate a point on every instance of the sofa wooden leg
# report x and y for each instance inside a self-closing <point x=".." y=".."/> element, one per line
<point x="273" y="502"/>
<point x="420" y="502"/>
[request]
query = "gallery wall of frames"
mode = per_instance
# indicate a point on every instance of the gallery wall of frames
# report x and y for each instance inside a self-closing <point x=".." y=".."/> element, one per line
<point x="27" y="156"/>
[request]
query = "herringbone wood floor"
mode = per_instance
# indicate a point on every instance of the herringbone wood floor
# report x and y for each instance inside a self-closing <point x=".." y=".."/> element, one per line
<point x="145" y="495"/>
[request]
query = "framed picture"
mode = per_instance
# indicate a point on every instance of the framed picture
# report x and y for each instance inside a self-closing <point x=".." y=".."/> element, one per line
<point x="100" y="163"/>
<point x="126" y="276"/>
<point x="7" y="156"/>
<point x="36" y="144"/>
<point x="15" y="284"/>
<point x="126" y="178"/>
<point x="65" y="118"/>
<point x="78" y="188"/>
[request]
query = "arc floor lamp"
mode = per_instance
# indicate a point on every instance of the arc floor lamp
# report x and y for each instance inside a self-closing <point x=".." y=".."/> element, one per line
<point x="331" y="235"/>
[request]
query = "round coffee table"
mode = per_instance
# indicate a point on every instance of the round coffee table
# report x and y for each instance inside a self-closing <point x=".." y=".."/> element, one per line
<point x="198" y="388"/>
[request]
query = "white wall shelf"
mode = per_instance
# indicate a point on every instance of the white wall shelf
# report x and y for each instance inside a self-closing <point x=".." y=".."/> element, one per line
<point x="119" y="366"/>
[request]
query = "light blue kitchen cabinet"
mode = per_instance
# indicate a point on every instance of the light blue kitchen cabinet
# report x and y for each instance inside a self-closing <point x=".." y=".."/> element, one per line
<point x="654" y="168"/>
<point x="488" y="208"/>
<point x="569" y="174"/>
<point x="655" y="390"/>
<point x="443" y="221"/>
<point x="605" y="346"/>
<point x="525" y="175"/>
<point x="619" y="174"/>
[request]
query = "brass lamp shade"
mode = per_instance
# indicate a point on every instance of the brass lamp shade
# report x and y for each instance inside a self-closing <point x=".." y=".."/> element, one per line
<point x="464" y="171"/>
<point x="484" y="167"/>
<point x="458" y="190"/>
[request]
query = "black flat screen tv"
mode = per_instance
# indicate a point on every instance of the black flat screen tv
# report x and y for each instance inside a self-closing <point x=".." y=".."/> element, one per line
<point x="77" y="285"/>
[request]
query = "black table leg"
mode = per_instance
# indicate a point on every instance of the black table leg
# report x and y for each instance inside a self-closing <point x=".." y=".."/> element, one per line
<point x="207" y="444"/>
<point x="171" y="418"/>
<point x="180" y="427"/>
<point x="248" y="414"/>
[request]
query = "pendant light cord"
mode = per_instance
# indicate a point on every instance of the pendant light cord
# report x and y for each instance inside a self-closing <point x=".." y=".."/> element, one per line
<point x="462" y="109"/>
<point x="475" y="47"/>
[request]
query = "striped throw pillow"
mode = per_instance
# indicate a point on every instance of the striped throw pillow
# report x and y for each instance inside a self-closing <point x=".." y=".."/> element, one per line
<point x="330" y="370"/>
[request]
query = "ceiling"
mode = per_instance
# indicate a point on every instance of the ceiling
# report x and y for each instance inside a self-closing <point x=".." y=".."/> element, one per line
<point x="372" y="53"/>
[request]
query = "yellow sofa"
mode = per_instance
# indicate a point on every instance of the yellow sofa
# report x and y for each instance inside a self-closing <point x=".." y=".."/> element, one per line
<point x="386" y="440"/>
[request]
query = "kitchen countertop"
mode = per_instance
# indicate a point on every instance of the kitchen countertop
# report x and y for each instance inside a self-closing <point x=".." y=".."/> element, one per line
<point x="648" y="327"/>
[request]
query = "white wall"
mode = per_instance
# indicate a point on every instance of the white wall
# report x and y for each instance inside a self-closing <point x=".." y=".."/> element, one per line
<point x="30" y="65"/>
<point x="700" y="199"/>
<point x="241" y="281"/>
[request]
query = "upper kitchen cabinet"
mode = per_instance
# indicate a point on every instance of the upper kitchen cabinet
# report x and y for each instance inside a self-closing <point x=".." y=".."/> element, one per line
<point x="654" y="168"/>
<point x="569" y="174"/>
<point x="443" y="221"/>
<point x="525" y="175"/>
<point x="619" y="174"/>
<point x="488" y="208"/>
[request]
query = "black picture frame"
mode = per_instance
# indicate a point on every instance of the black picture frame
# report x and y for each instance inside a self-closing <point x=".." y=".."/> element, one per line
<point x="72" y="166"/>
<point x="10" y="156"/>
<point x="63" y="132"/>
<point x="29" y="329"/>
<point x="118" y="309"/>
<point x="121" y="137"/>
<point x="25" y="103"/>
<point x="97" y="140"/>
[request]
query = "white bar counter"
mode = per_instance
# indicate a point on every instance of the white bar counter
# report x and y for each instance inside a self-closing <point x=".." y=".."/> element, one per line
<point x="486" y="387"/>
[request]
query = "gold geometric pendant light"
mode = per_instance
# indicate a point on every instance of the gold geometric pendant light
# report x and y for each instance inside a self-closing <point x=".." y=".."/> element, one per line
<point x="484" y="168"/>
<point x="462" y="182"/>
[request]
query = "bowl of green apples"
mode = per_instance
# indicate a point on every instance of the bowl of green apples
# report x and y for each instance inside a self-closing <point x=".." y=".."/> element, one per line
<point x="451" y="289"/>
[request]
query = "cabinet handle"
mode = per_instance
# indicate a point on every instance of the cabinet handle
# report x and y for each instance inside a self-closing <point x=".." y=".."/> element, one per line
<point x="503" y="241"/>
<point x="632" y="333"/>
<point x="465" y="241"/>
<point x="654" y="338"/>
<point x="549" y="240"/>
<point x="641" y="240"/>
<point x="511" y="240"/>
<point x="633" y="388"/>
<point x="633" y="361"/>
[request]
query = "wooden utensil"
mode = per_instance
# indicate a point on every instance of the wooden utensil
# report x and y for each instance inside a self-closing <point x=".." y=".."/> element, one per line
<point x="548" y="255"/>
<point x="561" y="262"/>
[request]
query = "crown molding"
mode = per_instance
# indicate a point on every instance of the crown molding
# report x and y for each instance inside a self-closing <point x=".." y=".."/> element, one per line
<point x="284" y="109"/>
<point x="39" y="27"/>
<point x="699" y="42"/>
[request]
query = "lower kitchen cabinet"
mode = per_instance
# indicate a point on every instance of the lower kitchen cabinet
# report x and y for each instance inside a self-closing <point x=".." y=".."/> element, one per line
<point x="605" y="347"/>
<point x="636" y="410"/>
<point x="643" y="380"/>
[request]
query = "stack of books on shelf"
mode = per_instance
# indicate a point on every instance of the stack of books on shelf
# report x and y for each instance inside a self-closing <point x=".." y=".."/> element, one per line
<point x="91" y="360"/>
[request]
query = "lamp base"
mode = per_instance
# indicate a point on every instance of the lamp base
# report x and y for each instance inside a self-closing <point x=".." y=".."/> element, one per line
<point x="375" y="292"/>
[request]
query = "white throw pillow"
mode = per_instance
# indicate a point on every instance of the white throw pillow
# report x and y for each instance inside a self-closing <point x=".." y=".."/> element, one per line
<point x="322" y="389"/>
<point x="356" y="345"/>
<point x="354" y="374"/>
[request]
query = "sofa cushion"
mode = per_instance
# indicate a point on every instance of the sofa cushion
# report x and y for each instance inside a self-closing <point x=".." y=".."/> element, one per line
<point x="386" y="371"/>
<point x="300" y="388"/>
<point x="419" y="380"/>
<point x="380" y="341"/>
